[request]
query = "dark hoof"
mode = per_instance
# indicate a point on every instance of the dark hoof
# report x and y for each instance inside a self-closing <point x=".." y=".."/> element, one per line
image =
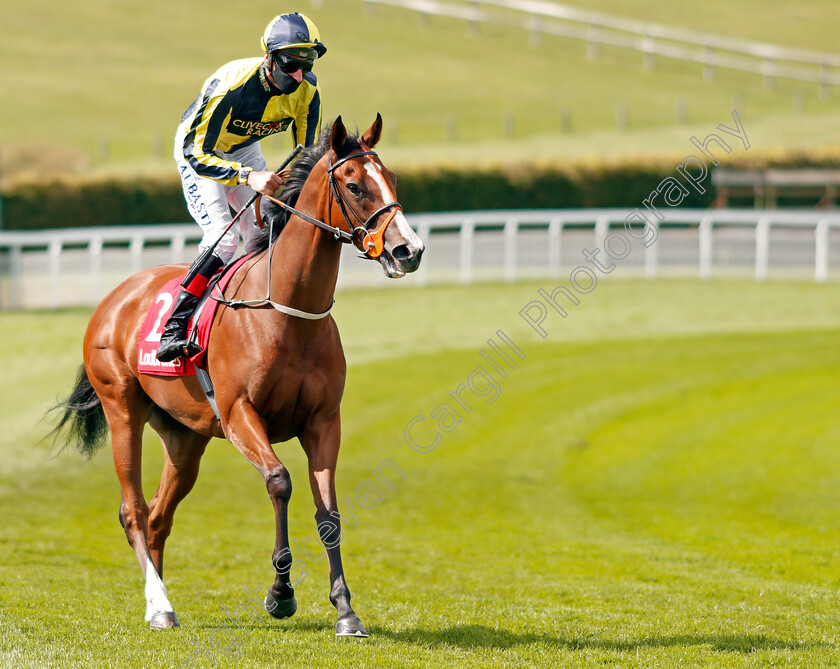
<point x="164" y="620"/>
<point x="280" y="608"/>
<point x="351" y="626"/>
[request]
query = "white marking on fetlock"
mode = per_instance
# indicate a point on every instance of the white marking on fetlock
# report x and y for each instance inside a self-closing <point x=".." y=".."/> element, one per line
<point x="157" y="599"/>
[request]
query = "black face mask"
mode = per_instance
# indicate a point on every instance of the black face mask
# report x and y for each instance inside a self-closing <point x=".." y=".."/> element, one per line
<point x="284" y="81"/>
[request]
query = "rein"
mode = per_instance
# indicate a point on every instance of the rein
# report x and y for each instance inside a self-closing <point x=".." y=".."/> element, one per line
<point x="340" y="235"/>
<point x="282" y="308"/>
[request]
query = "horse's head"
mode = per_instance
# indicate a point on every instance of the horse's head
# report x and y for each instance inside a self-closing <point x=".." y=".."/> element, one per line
<point x="364" y="195"/>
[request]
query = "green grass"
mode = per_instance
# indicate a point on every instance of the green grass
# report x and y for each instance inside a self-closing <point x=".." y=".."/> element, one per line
<point x="79" y="73"/>
<point x="655" y="486"/>
<point x="772" y="21"/>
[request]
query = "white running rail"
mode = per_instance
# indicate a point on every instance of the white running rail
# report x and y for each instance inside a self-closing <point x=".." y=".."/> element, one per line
<point x="55" y="268"/>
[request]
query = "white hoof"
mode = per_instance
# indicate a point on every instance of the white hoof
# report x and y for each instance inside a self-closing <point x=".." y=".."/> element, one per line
<point x="157" y="599"/>
<point x="164" y="620"/>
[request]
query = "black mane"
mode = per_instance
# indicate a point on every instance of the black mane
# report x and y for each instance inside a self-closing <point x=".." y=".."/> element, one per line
<point x="274" y="216"/>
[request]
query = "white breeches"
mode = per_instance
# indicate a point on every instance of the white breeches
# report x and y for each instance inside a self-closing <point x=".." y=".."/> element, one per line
<point x="210" y="202"/>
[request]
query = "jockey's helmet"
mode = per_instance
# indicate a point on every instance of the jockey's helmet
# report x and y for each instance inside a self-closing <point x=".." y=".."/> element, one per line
<point x="292" y="31"/>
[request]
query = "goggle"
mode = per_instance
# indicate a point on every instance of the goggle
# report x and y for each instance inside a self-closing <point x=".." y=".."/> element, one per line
<point x="294" y="60"/>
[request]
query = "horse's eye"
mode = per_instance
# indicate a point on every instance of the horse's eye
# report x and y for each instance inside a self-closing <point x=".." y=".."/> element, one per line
<point x="353" y="188"/>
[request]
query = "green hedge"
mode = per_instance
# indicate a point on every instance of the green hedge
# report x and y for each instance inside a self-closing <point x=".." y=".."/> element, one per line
<point x="66" y="204"/>
<point x="119" y="202"/>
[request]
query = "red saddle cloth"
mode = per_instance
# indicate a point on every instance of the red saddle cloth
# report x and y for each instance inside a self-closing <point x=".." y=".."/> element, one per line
<point x="155" y="321"/>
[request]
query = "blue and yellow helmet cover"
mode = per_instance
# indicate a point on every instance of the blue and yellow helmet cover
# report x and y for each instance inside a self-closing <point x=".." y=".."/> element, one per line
<point x="292" y="30"/>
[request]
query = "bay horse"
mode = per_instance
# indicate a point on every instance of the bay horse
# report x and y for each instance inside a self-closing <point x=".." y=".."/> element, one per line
<point x="277" y="376"/>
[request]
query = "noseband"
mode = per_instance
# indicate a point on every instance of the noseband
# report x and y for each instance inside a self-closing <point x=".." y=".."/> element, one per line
<point x="370" y="244"/>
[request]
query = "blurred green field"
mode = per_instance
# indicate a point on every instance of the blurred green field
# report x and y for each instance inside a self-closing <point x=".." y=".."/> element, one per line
<point x="82" y="81"/>
<point x="655" y="486"/>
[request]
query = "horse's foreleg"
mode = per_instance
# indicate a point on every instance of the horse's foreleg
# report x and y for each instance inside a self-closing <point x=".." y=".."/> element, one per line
<point x="183" y="449"/>
<point x="321" y="444"/>
<point x="280" y="601"/>
<point x="245" y="429"/>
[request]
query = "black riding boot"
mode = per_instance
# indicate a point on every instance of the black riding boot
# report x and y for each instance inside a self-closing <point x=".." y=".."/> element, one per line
<point x="174" y="337"/>
<point x="173" y="341"/>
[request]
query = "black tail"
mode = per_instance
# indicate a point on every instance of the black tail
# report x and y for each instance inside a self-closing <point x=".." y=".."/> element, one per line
<point x="82" y="418"/>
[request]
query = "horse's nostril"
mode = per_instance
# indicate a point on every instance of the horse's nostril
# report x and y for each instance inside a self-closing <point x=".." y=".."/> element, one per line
<point x="401" y="252"/>
<point x="407" y="258"/>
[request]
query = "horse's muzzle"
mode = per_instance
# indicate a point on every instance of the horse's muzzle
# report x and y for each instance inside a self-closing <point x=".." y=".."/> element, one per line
<point x="406" y="258"/>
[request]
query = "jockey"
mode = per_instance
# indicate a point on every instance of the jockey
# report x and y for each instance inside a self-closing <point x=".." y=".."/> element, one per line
<point x="218" y="153"/>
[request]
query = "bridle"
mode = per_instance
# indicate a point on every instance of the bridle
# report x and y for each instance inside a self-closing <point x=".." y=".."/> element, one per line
<point x="370" y="244"/>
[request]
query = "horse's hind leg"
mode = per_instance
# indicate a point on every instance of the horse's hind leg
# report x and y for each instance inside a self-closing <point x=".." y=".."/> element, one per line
<point x="183" y="449"/>
<point x="125" y="407"/>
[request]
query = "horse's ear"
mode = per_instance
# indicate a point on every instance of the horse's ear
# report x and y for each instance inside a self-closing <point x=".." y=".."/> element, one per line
<point x="339" y="136"/>
<point x="374" y="132"/>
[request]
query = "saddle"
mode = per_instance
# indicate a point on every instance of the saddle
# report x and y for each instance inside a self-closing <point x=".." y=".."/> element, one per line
<point x="198" y="329"/>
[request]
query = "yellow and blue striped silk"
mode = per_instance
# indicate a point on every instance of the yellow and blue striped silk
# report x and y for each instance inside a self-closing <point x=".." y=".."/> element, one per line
<point x="237" y="107"/>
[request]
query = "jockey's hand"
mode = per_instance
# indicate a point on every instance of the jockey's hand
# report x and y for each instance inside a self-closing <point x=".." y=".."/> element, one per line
<point x="265" y="182"/>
